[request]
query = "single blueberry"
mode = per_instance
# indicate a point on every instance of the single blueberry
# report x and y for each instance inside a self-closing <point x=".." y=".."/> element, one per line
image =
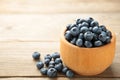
<point x="102" y="36"/>
<point x="48" y="56"/>
<point x="98" y="43"/>
<point x="108" y="39"/>
<point x="51" y="66"/>
<point x="95" y="29"/>
<point x="89" y="19"/>
<point x="39" y="64"/>
<point x="79" y="26"/>
<point x="82" y="20"/>
<point x="52" y="72"/>
<point x="88" y="44"/>
<point x="109" y="33"/>
<point x="88" y="36"/>
<point x="81" y="36"/>
<point x="36" y="55"/>
<point x="52" y="63"/>
<point x="74" y="31"/>
<point x="64" y="70"/>
<point x="46" y="61"/>
<point x="79" y="42"/>
<point x="78" y="21"/>
<point x="68" y="35"/>
<point x="85" y="24"/>
<point x="58" y="60"/>
<point x="99" y="30"/>
<point x="103" y="27"/>
<point x="55" y="55"/>
<point x="94" y="23"/>
<point x="84" y="29"/>
<point x="73" y="41"/>
<point x="44" y="71"/>
<point x="69" y="74"/>
<point x="59" y="67"/>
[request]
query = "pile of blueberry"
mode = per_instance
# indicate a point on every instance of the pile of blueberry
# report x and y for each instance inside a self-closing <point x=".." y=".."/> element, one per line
<point x="52" y="65"/>
<point x="87" y="33"/>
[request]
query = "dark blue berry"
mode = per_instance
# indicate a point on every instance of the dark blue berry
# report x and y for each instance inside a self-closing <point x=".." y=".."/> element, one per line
<point x="36" y="55"/>
<point x="107" y="39"/>
<point x="88" y="36"/>
<point x="81" y="36"/>
<point x="69" y="74"/>
<point x="88" y="44"/>
<point x="95" y="37"/>
<point x="103" y="27"/>
<point x="51" y="66"/>
<point x="84" y="29"/>
<point x="58" y="60"/>
<point x="79" y="42"/>
<point x="52" y="72"/>
<point x="109" y="33"/>
<point x="85" y="24"/>
<point x="44" y="71"/>
<point x="89" y="19"/>
<point x="51" y="63"/>
<point x="47" y="62"/>
<point x="95" y="29"/>
<point x="102" y="36"/>
<point x="74" y="31"/>
<point x="59" y="67"/>
<point x="98" y="43"/>
<point x="99" y="30"/>
<point x="55" y="55"/>
<point x="94" y="23"/>
<point x="39" y="64"/>
<point x="79" y="26"/>
<point x="78" y="21"/>
<point x="64" y="70"/>
<point x="68" y="35"/>
<point x="73" y="41"/>
<point x="48" y="56"/>
<point x="82" y="20"/>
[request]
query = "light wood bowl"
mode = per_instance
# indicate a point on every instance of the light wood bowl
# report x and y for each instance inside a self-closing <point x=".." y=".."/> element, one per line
<point x="87" y="61"/>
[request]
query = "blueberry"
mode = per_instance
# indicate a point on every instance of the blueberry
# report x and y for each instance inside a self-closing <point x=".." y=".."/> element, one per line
<point x="94" y="23"/>
<point x="81" y="36"/>
<point x="88" y="44"/>
<point x="47" y="62"/>
<point x="107" y="39"/>
<point x="51" y="63"/>
<point x="95" y="37"/>
<point x="36" y="55"/>
<point x="73" y="41"/>
<point x="99" y="30"/>
<point x="52" y="72"/>
<point x="70" y="26"/>
<point x="85" y="24"/>
<point x="79" y="42"/>
<point x="82" y="20"/>
<point x="74" y="31"/>
<point x="51" y="66"/>
<point x="103" y="27"/>
<point x="109" y="33"/>
<point x="58" y="60"/>
<point x="89" y="19"/>
<point x="59" y="67"/>
<point x="68" y="35"/>
<point x="88" y="36"/>
<point x="79" y="26"/>
<point x="95" y="29"/>
<point x="84" y="29"/>
<point x="102" y="36"/>
<point x="64" y="70"/>
<point x="55" y="55"/>
<point x="39" y="64"/>
<point x="98" y="43"/>
<point x="69" y="74"/>
<point x="78" y="21"/>
<point x="48" y="56"/>
<point x="44" y="71"/>
<point x="90" y="28"/>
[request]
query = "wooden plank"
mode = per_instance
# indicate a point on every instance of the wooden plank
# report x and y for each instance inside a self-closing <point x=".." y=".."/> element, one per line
<point x="62" y="78"/>
<point x="16" y="59"/>
<point x="24" y="27"/>
<point x="58" y="6"/>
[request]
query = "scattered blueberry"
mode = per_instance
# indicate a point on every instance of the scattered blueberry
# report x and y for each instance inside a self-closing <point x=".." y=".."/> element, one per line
<point x="69" y="74"/>
<point x="59" y="66"/>
<point x="46" y="61"/>
<point x="52" y="63"/>
<point x="36" y="55"/>
<point x="55" y="55"/>
<point x="52" y="72"/>
<point x="44" y="71"/>
<point x="39" y="64"/>
<point x="48" y="56"/>
<point x="51" y="66"/>
<point x="64" y="70"/>
<point x="58" y="60"/>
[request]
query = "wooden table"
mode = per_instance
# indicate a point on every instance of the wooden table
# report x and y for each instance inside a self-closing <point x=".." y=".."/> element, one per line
<point x="27" y="26"/>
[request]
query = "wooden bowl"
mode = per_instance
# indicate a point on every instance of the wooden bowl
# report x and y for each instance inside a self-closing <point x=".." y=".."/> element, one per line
<point x="87" y="61"/>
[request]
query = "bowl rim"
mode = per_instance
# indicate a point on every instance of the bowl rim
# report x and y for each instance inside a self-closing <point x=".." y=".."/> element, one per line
<point x="77" y="47"/>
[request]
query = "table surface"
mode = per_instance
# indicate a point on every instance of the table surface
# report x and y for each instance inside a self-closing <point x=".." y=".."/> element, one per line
<point x="27" y="26"/>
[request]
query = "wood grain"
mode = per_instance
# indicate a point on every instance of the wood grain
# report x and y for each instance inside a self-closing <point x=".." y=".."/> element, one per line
<point x="59" y="6"/>
<point x="24" y="27"/>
